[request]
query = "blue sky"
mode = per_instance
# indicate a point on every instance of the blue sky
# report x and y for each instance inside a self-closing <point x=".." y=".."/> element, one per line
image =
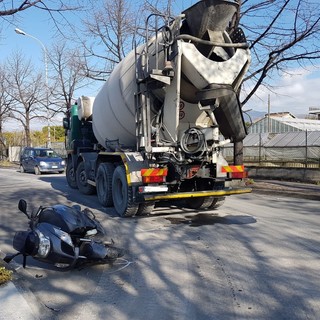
<point x="294" y="93"/>
<point x="34" y="22"/>
<point x="38" y="23"/>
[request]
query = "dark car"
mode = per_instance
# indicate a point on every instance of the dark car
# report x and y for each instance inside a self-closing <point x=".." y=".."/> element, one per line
<point x="40" y="160"/>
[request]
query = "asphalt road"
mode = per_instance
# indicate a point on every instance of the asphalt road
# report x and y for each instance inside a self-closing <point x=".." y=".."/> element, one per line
<point x="257" y="257"/>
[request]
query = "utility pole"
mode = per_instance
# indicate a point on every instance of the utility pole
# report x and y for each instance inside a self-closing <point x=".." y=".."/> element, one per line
<point x="45" y="53"/>
<point x="269" y="122"/>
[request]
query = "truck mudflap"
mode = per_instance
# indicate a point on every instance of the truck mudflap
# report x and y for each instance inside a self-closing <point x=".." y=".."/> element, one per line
<point x="197" y="194"/>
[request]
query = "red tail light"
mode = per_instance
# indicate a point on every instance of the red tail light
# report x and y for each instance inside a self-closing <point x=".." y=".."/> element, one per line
<point x="154" y="175"/>
<point x="235" y="172"/>
<point x="239" y="175"/>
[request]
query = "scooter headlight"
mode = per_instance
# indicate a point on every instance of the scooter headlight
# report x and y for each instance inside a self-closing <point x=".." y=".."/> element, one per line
<point x="65" y="237"/>
<point x="44" y="245"/>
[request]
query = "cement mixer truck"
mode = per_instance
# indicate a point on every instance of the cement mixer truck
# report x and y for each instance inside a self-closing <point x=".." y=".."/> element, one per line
<point x="155" y="130"/>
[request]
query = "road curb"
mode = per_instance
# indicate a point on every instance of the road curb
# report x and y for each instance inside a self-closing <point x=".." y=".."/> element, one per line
<point x="17" y="300"/>
<point x="287" y="189"/>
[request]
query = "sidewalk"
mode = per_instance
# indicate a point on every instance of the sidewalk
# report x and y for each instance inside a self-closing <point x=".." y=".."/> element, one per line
<point x="17" y="302"/>
<point x="14" y="304"/>
<point x="286" y="188"/>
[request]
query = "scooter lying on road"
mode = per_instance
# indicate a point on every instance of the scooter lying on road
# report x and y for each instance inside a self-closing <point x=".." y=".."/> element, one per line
<point x="64" y="236"/>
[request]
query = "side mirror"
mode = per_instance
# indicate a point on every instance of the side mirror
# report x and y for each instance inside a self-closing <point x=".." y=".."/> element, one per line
<point x="23" y="206"/>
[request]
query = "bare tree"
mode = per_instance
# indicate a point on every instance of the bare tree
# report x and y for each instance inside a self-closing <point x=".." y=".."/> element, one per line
<point x="110" y="30"/>
<point x="54" y="8"/>
<point x="27" y="90"/>
<point x="158" y="6"/>
<point x="67" y="75"/>
<point x="5" y="102"/>
<point x="282" y="34"/>
<point x="5" y="98"/>
<point x="9" y="7"/>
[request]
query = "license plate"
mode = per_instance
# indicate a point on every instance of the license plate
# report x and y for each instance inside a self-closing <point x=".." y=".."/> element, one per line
<point x="54" y="167"/>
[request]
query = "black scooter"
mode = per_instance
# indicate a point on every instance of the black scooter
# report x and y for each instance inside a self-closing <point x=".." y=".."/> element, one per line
<point x="63" y="236"/>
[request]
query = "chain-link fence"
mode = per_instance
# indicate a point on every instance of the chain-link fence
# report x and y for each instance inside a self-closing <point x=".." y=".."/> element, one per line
<point x="12" y="153"/>
<point x="292" y="149"/>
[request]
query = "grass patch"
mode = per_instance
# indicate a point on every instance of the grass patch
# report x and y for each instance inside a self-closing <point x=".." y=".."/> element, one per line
<point x="5" y="275"/>
<point x="5" y="163"/>
<point x="249" y="182"/>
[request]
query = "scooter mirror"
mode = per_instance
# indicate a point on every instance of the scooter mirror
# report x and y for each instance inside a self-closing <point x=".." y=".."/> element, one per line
<point x="23" y="206"/>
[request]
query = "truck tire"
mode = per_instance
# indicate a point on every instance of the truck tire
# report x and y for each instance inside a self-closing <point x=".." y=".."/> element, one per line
<point x="145" y="208"/>
<point x="104" y="183"/>
<point x="122" y="194"/>
<point x="199" y="203"/>
<point x="71" y="175"/>
<point x="205" y="203"/>
<point x="81" y="177"/>
<point x="217" y="202"/>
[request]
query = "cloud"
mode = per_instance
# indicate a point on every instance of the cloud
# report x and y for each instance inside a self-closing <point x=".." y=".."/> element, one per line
<point x="294" y="92"/>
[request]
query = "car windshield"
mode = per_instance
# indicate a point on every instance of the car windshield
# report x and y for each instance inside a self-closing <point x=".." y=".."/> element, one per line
<point x="46" y="154"/>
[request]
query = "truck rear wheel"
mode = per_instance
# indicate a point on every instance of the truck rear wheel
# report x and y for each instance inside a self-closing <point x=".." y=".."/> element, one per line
<point x="71" y="175"/>
<point x="145" y="208"/>
<point x="199" y="203"/>
<point x="217" y="202"/>
<point x="104" y="184"/>
<point x="122" y="194"/>
<point x="205" y="203"/>
<point x="81" y="177"/>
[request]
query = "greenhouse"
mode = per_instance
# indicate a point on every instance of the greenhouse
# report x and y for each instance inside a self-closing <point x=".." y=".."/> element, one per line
<point x="292" y="149"/>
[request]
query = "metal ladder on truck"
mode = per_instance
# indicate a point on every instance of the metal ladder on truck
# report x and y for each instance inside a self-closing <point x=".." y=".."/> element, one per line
<point x="147" y="78"/>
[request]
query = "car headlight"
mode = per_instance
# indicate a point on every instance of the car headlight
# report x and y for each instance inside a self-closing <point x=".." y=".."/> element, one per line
<point x="65" y="237"/>
<point x="43" y="164"/>
<point x="44" y="245"/>
<point x="63" y="163"/>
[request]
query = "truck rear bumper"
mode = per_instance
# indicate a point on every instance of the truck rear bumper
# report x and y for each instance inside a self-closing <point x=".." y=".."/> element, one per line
<point x="185" y="195"/>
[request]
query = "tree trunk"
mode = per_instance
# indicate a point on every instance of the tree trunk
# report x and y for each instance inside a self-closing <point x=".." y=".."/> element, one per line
<point x="27" y="132"/>
<point x="238" y="153"/>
